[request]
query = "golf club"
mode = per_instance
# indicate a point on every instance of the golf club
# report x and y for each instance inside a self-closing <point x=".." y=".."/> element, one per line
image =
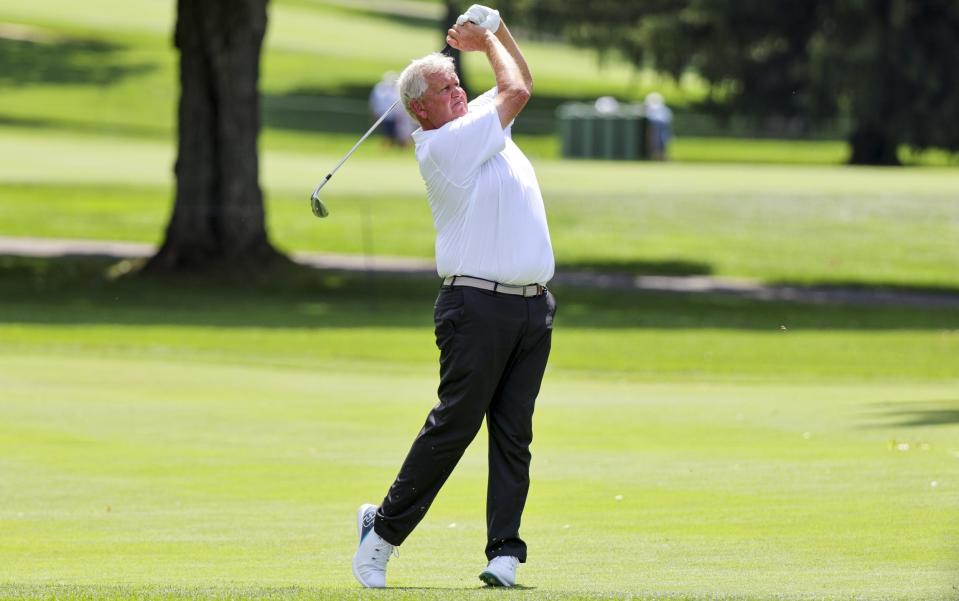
<point x="319" y="209"/>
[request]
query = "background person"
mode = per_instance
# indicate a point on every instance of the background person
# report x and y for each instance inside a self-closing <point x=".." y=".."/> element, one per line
<point x="658" y="126"/>
<point x="493" y="315"/>
<point x="382" y="97"/>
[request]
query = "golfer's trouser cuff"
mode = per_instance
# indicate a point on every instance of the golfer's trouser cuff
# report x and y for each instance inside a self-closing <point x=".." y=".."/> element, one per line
<point x="493" y="352"/>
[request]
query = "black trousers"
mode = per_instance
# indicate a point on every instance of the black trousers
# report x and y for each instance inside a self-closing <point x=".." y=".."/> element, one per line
<point x="493" y="352"/>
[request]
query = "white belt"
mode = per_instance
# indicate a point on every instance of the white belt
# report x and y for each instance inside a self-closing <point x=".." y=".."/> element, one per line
<point x="465" y="280"/>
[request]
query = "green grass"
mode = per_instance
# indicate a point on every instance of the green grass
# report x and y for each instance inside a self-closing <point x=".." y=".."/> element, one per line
<point x="187" y="439"/>
<point x="696" y="336"/>
<point x="204" y="439"/>
<point x="87" y="119"/>
<point x="786" y="152"/>
<point x="802" y="224"/>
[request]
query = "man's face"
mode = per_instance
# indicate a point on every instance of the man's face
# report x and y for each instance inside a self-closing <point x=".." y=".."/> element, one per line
<point x="443" y="101"/>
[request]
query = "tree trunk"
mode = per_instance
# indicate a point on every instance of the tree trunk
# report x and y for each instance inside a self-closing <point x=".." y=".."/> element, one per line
<point x="874" y="140"/>
<point x="218" y="216"/>
<point x="870" y="146"/>
<point x="452" y="13"/>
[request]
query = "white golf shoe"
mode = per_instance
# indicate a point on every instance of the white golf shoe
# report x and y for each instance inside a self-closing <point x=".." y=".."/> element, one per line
<point x="501" y="571"/>
<point x="369" y="562"/>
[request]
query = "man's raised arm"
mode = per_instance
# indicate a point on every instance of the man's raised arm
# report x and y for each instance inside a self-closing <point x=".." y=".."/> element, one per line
<point x="513" y="79"/>
<point x="506" y="38"/>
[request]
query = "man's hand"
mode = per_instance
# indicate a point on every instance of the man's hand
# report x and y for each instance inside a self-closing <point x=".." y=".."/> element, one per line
<point x="468" y="37"/>
<point x="484" y="16"/>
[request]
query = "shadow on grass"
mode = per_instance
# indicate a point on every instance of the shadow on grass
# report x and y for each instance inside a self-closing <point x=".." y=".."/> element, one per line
<point x="673" y="267"/>
<point x="77" y="291"/>
<point x="915" y="415"/>
<point x="877" y="290"/>
<point x="28" y="58"/>
<point x="64" y="125"/>
<point x="479" y="587"/>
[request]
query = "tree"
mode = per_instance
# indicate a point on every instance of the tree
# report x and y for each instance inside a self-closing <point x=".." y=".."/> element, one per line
<point x="452" y="10"/>
<point x="888" y="66"/>
<point x="218" y="216"/>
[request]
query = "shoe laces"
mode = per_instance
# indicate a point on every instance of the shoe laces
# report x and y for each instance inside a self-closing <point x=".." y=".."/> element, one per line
<point x="379" y="556"/>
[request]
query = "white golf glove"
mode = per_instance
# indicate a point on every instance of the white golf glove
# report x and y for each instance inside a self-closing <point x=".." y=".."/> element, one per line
<point x="484" y="16"/>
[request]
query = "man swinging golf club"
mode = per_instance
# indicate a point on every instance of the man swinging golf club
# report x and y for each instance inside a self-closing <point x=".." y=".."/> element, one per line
<point x="493" y="315"/>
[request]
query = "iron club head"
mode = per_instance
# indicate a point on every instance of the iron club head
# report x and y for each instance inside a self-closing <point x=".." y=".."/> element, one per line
<point x="319" y="209"/>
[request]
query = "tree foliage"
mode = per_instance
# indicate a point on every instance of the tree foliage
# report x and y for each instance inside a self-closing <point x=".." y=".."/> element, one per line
<point x="889" y="66"/>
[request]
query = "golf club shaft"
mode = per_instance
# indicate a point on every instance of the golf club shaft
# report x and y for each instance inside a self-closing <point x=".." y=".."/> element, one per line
<point x="446" y="50"/>
<point x="355" y="146"/>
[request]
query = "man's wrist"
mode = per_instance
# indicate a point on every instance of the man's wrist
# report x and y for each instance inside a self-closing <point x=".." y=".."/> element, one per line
<point x="491" y="40"/>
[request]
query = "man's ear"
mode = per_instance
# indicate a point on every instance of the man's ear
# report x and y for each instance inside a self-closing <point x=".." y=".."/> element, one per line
<point x="418" y="108"/>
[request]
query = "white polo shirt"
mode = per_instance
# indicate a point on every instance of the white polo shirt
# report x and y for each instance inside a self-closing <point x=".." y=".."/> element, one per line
<point x="487" y="208"/>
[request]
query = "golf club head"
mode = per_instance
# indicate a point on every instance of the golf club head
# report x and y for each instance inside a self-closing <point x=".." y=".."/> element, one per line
<point x="319" y="209"/>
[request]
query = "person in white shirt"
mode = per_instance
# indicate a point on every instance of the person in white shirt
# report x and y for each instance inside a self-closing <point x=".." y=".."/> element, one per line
<point x="493" y="315"/>
<point x="382" y="97"/>
<point x="658" y="119"/>
<point x="397" y="126"/>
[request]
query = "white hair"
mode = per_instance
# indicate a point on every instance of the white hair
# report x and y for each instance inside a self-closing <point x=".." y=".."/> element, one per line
<point x="412" y="82"/>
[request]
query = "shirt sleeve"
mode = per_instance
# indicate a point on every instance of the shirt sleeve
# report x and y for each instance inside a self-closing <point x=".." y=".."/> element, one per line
<point x="460" y="147"/>
<point x="486" y="98"/>
<point x="483" y="99"/>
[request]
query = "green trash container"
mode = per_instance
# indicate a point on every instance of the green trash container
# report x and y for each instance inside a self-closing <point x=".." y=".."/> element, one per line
<point x="587" y="132"/>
